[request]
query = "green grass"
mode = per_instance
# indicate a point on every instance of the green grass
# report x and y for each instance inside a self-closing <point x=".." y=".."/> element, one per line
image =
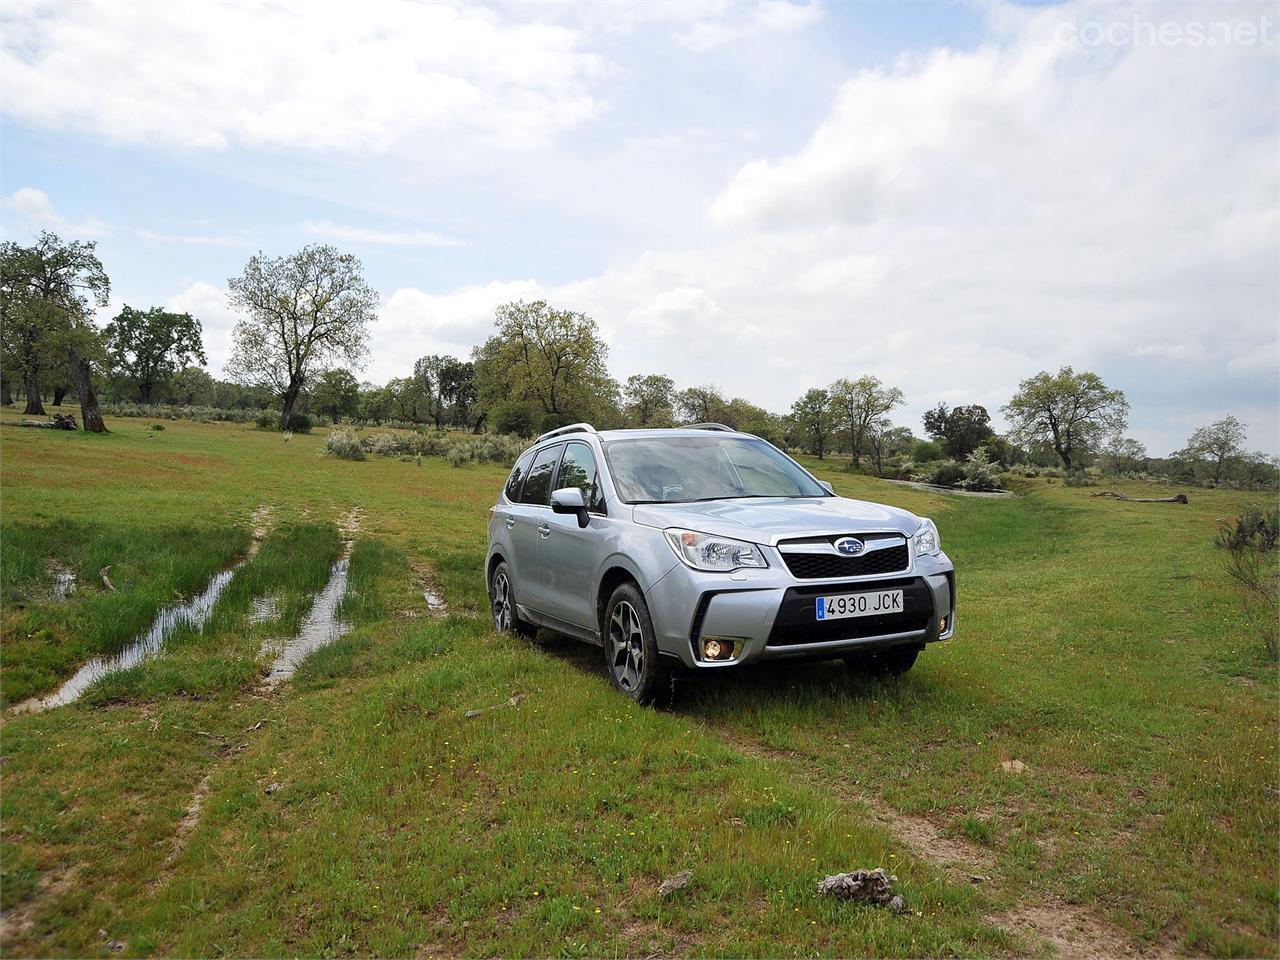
<point x="1099" y="642"/>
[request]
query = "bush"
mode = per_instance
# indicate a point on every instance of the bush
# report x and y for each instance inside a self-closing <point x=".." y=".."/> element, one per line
<point x="299" y="422"/>
<point x="926" y="451"/>
<point x="344" y="444"/>
<point x="268" y="420"/>
<point x="1250" y="543"/>
<point x="169" y="411"/>
<point x="979" y="473"/>
<point x="157" y="426"/>
<point x="1079" y="478"/>
<point x="948" y="473"/>
<point x="387" y="444"/>
<point x="458" y="454"/>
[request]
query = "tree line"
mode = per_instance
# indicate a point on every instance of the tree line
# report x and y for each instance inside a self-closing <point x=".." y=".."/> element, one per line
<point x="304" y="330"/>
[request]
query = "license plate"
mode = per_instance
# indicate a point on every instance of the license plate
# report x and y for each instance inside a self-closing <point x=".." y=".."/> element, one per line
<point x="859" y="605"/>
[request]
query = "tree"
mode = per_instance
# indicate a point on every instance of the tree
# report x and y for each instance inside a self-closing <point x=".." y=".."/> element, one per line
<point x="888" y="441"/>
<point x="302" y="312"/>
<point x="960" y="430"/>
<point x="1259" y="469"/>
<point x="705" y="404"/>
<point x="438" y="377"/>
<point x="147" y="347"/>
<point x="552" y="361"/>
<point x="47" y="294"/>
<point x="649" y="400"/>
<point x="1217" y="444"/>
<point x="374" y="403"/>
<point x="192" y="386"/>
<point x="458" y="387"/>
<point x="337" y="394"/>
<point x="858" y="404"/>
<point x="1125" y="455"/>
<point x="813" y="419"/>
<point x="1071" y="413"/>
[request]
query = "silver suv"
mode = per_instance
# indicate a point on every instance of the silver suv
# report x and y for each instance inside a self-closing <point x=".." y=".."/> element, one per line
<point x="705" y="548"/>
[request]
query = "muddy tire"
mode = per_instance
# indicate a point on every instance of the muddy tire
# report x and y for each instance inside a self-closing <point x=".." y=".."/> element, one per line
<point x="631" y="656"/>
<point x="885" y="663"/>
<point x="502" y="601"/>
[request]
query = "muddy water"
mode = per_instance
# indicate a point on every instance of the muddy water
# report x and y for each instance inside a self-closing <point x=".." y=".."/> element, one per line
<point x="195" y="612"/>
<point x="320" y="628"/>
<point x="64" y="581"/>
<point x="263" y="610"/>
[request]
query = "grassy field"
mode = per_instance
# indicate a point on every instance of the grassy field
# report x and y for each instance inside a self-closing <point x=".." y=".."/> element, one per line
<point x="184" y="808"/>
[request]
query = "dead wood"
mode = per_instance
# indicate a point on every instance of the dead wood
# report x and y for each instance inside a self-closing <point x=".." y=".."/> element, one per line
<point x="1179" y="498"/>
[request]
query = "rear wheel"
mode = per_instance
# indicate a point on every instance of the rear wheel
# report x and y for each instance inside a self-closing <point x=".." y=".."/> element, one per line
<point x="893" y="662"/>
<point x="630" y="650"/>
<point x="503" y="600"/>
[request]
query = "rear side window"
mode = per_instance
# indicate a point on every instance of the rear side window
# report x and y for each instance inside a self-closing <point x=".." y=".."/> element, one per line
<point x="578" y="469"/>
<point x="517" y="477"/>
<point x="537" y="485"/>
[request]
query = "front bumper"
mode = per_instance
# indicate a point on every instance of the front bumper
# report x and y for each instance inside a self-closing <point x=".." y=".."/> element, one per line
<point x="769" y="614"/>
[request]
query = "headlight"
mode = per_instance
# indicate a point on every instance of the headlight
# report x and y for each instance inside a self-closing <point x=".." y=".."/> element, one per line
<point x="705" y="552"/>
<point x="927" y="540"/>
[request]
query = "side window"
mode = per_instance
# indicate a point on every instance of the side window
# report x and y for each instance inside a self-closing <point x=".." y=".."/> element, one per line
<point x="517" y="477"/>
<point x="537" y="485"/>
<point x="578" y="469"/>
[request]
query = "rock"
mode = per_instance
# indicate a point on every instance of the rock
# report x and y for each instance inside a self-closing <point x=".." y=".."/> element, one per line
<point x="677" y="881"/>
<point x="897" y="904"/>
<point x="861" y="886"/>
<point x="271" y="788"/>
<point x="1014" y="766"/>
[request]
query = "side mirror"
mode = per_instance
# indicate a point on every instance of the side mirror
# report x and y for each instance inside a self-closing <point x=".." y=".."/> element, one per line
<point x="827" y="487"/>
<point x="569" y="500"/>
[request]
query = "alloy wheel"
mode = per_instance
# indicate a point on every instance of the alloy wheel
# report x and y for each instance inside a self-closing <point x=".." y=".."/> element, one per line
<point x="502" y="602"/>
<point x="626" y="646"/>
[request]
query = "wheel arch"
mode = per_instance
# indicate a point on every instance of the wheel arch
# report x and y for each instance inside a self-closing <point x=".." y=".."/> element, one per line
<point x="612" y="578"/>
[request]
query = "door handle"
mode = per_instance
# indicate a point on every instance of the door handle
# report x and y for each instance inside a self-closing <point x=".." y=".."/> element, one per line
<point x="544" y="531"/>
<point x="511" y="522"/>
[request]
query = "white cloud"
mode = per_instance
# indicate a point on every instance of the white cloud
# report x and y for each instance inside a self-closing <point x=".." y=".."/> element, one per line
<point x="208" y="304"/>
<point x="766" y="18"/>
<point x="190" y="239"/>
<point x="34" y="210"/>
<point x="402" y="238"/>
<point x="316" y="76"/>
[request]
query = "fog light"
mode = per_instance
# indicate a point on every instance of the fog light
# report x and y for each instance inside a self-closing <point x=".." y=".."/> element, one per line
<point x="718" y="648"/>
<point x="942" y="624"/>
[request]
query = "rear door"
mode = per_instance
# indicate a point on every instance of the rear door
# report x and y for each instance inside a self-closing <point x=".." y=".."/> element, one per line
<point x="532" y="523"/>
<point x="569" y="552"/>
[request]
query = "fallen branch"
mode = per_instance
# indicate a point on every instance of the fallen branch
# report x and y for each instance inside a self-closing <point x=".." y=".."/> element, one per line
<point x="60" y="421"/>
<point x="106" y="581"/>
<point x="508" y="703"/>
<point x="1179" y="498"/>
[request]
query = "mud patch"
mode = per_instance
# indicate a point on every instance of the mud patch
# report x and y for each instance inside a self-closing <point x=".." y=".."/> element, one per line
<point x="261" y="523"/>
<point x="194" y="613"/>
<point x="1072" y="932"/>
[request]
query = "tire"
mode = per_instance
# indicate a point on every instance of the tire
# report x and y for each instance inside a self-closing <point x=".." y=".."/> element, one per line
<point x="893" y="662"/>
<point x="631" y="656"/>
<point x="502" y="601"/>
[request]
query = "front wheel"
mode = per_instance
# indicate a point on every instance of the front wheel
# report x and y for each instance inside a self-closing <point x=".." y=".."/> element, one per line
<point x="503" y="600"/>
<point x="630" y="650"/>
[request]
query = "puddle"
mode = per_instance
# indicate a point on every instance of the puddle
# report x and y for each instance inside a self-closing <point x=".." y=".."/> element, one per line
<point x="435" y="602"/>
<point x="193" y="612"/>
<point x="320" y="628"/>
<point x="64" y="580"/>
<point x="263" y="610"/>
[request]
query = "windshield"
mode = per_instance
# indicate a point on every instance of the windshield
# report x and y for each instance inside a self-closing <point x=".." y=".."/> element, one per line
<point x="679" y="469"/>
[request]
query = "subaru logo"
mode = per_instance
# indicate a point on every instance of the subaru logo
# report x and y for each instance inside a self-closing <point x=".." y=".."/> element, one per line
<point x="850" y="546"/>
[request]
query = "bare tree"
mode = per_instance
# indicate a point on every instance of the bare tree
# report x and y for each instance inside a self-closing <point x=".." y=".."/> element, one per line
<point x="302" y="312"/>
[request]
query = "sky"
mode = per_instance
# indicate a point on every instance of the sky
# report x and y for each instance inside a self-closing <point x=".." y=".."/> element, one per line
<point x="764" y="196"/>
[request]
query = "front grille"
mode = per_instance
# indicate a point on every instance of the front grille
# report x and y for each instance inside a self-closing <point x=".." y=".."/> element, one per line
<point x="817" y="566"/>
<point x="796" y="621"/>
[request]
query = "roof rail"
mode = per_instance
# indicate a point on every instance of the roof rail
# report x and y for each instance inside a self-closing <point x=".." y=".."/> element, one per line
<point x="709" y="426"/>
<point x="571" y="428"/>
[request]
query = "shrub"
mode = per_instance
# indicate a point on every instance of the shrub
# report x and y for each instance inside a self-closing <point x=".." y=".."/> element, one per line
<point x="166" y="411"/>
<point x="268" y="420"/>
<point x="1250" y="543"/>
<point x="299" y="422"/>
<point x="157" y="426"/>
<point x="1079" y="478"/>
<point x="925" y="451"/>
<point x="387" y="444"/>
<point x="458" y="454"/>
<point x="344" y="444"/>
<point x="979" y="473"/>
<point x="946" y="474"/>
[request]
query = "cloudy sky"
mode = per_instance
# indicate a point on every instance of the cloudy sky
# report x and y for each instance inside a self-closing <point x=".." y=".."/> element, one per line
<point x="760" y="195"/>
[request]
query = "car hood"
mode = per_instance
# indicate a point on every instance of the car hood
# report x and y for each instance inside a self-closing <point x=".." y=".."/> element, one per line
<point x="778" y="518"/>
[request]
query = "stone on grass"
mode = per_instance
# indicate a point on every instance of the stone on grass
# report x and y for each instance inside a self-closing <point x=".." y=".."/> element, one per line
<point x="862" y="886"/>
<point x="1013" y="766"/>
<point x="675" y="882"/>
